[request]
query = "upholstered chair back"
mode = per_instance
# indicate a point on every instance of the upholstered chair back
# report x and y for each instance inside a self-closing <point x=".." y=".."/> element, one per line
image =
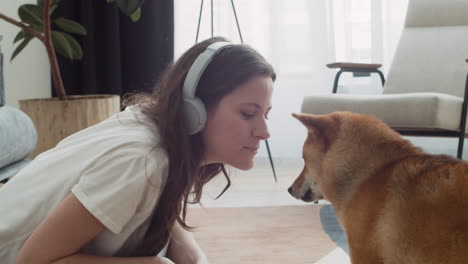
<point x="431" y="53"/>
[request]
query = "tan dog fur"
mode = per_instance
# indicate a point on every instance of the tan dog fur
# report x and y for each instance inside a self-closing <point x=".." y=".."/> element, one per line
<point x="396" y="203"/>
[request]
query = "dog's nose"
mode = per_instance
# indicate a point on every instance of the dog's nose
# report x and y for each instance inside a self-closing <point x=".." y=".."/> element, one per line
<point x="290" y="190"/>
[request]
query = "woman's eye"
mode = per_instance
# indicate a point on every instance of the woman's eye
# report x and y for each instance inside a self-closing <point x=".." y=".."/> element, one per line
<point x="266" y="117"/>
<point x="247" y="115"/>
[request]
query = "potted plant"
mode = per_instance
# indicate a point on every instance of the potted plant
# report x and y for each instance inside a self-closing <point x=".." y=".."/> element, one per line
<point x="57" y="118"/>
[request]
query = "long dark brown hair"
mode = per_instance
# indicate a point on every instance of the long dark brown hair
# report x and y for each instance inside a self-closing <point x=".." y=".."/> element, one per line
<point x="231" y="67"/>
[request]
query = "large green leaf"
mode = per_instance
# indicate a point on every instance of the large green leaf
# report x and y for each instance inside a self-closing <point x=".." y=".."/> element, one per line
<point x="128" y="7"/>
<point x="38" y="28"/>
<point x="75" y="46"/>
<point x="21" y="46"/>
<point x="61" y="44"/>
<point x="70" y="26"/>
<point x="21" y="35"/>
<point x="52" y="8"/>
<point x="136" y="15"/>
<point x="30" y="14"/>
<point x="67" y="46"/>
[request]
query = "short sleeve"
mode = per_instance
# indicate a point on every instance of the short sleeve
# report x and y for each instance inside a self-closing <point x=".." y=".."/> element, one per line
<point x="117" y="184"/>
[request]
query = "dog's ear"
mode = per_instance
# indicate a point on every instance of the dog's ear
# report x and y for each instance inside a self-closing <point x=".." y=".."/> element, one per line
<point x="313" y="122"/>
<point x="319" y="126"/>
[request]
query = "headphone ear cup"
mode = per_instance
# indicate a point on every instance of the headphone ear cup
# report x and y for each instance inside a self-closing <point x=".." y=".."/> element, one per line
<point x="195" y="113"/>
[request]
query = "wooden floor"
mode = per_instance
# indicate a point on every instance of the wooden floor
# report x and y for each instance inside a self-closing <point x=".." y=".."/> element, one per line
<point x="257" y="188"/>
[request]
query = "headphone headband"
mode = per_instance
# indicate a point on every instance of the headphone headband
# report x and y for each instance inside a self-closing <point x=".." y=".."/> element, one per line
<point x="199" y="65"/>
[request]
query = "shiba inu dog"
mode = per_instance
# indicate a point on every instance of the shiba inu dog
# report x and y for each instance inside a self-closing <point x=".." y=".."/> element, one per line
<point x="396" y="203"/>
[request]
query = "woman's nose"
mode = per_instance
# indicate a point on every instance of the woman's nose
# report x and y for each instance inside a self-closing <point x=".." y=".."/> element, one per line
<point x="261" y="131"/>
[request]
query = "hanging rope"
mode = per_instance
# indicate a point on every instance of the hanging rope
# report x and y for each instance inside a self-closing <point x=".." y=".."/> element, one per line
<point x="199" y="22"/>
<point x="237" y="21"/>
<point x="212" y="18"/>
<point x="212" y="21"/>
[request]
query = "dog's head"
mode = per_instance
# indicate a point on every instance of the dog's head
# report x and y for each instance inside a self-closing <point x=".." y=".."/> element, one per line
<point x="337" y="146"/>
<point x="321" y="134"/>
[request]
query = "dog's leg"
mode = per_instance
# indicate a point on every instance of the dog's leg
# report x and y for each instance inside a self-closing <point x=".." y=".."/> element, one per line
<point x="362" y="256"/>
<point x="366" y="260"/>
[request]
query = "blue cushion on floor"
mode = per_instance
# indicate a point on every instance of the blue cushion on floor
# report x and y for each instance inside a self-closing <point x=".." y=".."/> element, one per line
<point x="9" y="171"/>
<point x="18" y="135"/>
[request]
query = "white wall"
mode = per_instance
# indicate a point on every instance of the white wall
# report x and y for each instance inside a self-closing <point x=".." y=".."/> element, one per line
<point x="28" y="75"/>
<point x="298" y="39"/>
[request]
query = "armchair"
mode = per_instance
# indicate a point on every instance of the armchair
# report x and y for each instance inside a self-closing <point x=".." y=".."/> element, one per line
<point x="425" y="93"/>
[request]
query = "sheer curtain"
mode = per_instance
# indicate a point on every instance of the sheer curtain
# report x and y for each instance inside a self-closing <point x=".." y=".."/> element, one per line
<point x="299" y="37"/>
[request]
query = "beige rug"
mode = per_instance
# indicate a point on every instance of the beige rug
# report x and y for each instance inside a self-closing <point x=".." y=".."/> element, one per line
<point x="283" y="234"/>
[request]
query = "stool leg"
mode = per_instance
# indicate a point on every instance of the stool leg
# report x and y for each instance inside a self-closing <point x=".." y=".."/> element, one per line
<point x="460" y="146"/>
<point x="271" y="160"/>
<point x="461" y="137"/>
<point x="337" y="77"/>
<point x="382" y="78"/>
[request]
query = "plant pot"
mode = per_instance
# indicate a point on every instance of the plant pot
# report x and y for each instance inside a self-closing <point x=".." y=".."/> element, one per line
<point x="56" y="119"/>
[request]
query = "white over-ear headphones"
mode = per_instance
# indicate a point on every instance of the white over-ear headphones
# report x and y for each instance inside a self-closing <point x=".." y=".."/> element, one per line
<point x="195" y="112"/>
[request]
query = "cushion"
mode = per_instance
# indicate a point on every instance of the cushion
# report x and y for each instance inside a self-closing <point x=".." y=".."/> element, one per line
<point x="18" y="135"/>
<point x="409" y="111"/>
<point x="9" y="171"/>
<point x="427" y="13"/>
<point x="430" y="60"/>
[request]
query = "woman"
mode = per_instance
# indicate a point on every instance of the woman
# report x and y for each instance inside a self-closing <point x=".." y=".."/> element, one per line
<point x="117" y="192"/>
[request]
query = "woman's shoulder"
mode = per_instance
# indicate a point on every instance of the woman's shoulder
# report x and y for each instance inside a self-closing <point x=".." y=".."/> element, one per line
<point x="123" y="139"/>
<point x="129" y="129"/>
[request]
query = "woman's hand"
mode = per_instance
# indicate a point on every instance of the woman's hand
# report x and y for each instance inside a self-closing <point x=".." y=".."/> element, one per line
<point x="162" y="260"/>
<point x="202" y="260"/>
<point x="183" y="249"/>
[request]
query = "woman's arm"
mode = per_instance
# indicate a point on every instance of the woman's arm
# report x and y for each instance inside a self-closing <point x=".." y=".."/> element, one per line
<point x="79" y="258"/>
<point x="183" y="249"/>
<point x="69" y="227"/>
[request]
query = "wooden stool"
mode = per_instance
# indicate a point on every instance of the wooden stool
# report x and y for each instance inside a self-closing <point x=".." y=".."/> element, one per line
<point x="358" y="70"/>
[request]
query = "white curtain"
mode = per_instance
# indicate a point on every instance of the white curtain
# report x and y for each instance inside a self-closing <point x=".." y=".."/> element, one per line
<point x="299" y="37"/>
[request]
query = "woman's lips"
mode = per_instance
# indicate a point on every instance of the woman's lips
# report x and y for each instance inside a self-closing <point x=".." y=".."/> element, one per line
<point x="251" y="150"/>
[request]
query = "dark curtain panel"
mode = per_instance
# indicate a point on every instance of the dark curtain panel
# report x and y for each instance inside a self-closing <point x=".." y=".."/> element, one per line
<point x="120" y="56"/>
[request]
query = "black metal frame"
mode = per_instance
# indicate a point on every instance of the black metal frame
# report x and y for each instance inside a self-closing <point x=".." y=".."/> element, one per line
<point x="357" y="72"/>
<point x="242" y="41"/>
<point x="442" y="133"/>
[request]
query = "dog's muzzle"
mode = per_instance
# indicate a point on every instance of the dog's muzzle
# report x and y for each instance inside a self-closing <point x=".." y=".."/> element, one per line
<point x="307" y="197"/>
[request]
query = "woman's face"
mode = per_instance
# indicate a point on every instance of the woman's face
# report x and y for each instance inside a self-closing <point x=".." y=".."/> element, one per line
<point x="237" y="124"/>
